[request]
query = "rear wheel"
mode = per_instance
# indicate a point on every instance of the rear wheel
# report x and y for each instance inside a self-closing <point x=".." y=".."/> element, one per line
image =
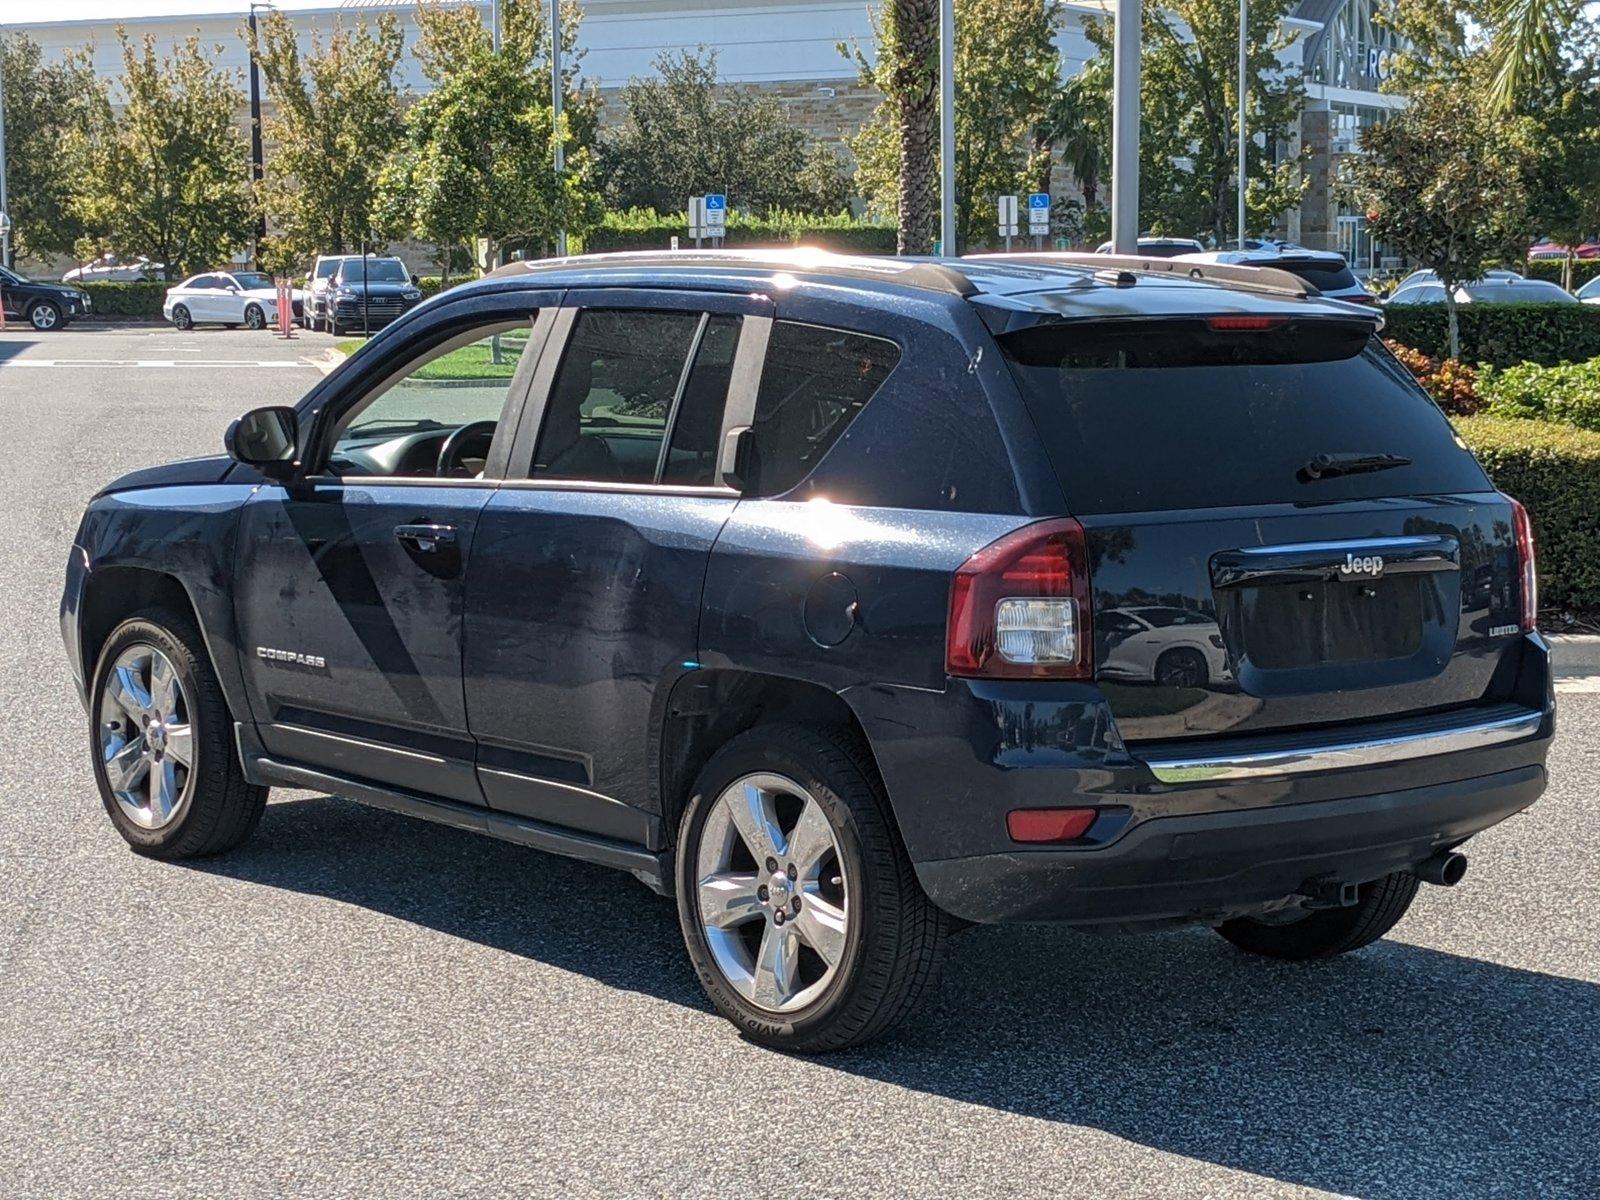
<point x="163" y="742"/>
<point x="1323" y="933"/>
<point x="799" y="907"/>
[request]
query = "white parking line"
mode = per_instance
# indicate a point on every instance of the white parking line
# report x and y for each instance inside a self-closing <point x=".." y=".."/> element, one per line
<point x="153" y="362"/>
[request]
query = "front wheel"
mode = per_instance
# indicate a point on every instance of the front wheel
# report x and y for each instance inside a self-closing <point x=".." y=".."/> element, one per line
<point x="800" y="910"/>
<point x="181" y="318"/>
<point x="162" y="738"/>
<point x="255" y="317"/>
<point x="45" y="316"/>
<point x="1326" y="932"/>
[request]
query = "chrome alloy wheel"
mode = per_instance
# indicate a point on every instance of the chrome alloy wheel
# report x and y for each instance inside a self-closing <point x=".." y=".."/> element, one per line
<point x="773" y="896"/>
<point x="146" y="738"/>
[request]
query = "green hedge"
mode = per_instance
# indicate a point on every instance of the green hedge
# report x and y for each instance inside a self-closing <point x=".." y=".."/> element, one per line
<point x="1555" y="471"/>
<point x="646" y="229"/>
<point x="126" y="299"/>
<point x="1569" y="393"/>
<point x="1583" y="270"/>
<point x="1501" y="334"/>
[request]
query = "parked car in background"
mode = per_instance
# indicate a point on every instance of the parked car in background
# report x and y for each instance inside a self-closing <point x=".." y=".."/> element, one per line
<point x="1547" y="250"/>
<point x="1325" y="270"/>
<point x="1589" y="293"/>
<point x="690" y="579"/>
<point x="323" y="269"/>
<point x="1491" y="291"/>
<point x="230" y="298"/>
<point x="1160" y="644"/>
<point x="1159" y="247"/>
<point x="1428" y="275"/>
<point x="44" y="306"/>
<point x="368" y="294"/>
<point x="109" y="268"/>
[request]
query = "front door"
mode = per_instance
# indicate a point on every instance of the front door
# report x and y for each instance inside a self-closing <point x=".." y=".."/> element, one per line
<point x="350" y="583"/>
<point x="583" y="594"/>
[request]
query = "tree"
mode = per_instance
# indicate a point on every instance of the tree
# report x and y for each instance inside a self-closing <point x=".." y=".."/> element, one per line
<point x="1442" y="180"/>
<point x="1007" y="73"/>
<point x="685" y="132"/>
<point x="1079" y="125"/>
<point x="1525" y="47"/>
<point x="44" y="109"/>
<point x="478" y="161"/>
<point x="1188" y="148"/>
<point x="337" y="121"/>
<point x="165" y="171"/>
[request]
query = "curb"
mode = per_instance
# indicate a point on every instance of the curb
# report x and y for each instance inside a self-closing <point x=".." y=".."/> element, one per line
<point x="1575" y="653"/>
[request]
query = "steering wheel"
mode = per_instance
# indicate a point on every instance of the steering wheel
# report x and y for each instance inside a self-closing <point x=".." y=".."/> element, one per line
<point x="471" y="440"/>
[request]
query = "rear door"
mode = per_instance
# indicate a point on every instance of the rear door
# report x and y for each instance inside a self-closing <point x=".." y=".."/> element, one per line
<point x="1250" y="583"/>
<point x="583" y="594"/>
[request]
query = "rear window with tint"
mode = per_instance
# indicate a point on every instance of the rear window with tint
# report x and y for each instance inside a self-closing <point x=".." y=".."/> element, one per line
<point x="1157" y="417"/>
<point x="1325" y="277"/>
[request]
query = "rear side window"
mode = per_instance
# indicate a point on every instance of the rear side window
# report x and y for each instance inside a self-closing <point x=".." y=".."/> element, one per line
<point x="622" y="388"/>
<point x="814" y="383"/>
<point x="1325" y="277"/>
<point x="1160" y="417"/>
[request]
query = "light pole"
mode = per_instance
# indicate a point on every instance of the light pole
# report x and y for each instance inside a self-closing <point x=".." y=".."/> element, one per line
<point x="256" y="167"/>
<point x="5" y="205"/>
<point x="1244" y="67"/>
<point x="947" y="127"/>
<point x="555" y="110"/>
<point x="1125" y="50"/>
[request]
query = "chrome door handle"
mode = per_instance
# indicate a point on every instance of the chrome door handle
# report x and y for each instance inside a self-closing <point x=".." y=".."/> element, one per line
<point x="426" y="538"/>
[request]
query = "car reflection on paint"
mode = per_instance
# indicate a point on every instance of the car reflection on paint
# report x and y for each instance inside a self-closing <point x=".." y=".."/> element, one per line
<point x="1160" y="644"/>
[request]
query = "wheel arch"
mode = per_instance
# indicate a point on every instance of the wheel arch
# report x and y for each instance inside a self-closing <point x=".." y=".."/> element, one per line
<point x="708" y="708"/>
<point x="113" y="593"/>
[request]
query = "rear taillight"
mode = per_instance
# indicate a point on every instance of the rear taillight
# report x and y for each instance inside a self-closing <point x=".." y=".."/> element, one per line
<point x="1019" y="608"/>
<point x="1529" y="572"/>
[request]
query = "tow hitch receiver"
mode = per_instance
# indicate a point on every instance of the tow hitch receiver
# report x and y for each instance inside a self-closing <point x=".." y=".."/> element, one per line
<point x="1327" y="892"/>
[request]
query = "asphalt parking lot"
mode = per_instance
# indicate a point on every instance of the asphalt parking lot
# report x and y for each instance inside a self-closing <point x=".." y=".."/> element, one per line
<point x="357" y="1004"/>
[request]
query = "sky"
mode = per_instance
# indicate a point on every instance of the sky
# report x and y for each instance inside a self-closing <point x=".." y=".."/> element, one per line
<point x="23" y="12"/>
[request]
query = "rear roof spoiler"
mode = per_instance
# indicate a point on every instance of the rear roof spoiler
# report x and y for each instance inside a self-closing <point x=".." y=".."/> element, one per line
<point x="1254" y="279"/>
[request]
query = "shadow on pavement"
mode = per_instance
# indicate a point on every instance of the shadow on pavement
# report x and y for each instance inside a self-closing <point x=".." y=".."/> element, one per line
<point x="1396" y="1072"/>
<point x="11" y="347"/>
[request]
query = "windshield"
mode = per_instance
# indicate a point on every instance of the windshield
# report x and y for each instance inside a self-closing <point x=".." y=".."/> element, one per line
<point x="251" y="280"/>
<point x="1169" y="415"/>
<point x="379" y="270"/>
<point x="326" y="269"/>
<point x="1326" y="276"/>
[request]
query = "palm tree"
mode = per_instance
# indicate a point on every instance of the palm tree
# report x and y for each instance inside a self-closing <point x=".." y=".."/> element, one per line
<point x="912" y="41"/>
<point x="1079" y="124"/>
<point x="1526" y="38"/>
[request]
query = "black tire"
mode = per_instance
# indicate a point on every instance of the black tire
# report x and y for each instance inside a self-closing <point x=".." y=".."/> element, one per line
<point x="1326" y="932"/>
<point x="255" y="317"/>
<point x="45" y="316"/>
<point x="181" y="317"/>
<point x="1181" y="667"/>
<point x="220" y="807"/>
<point x="895" y="936"/>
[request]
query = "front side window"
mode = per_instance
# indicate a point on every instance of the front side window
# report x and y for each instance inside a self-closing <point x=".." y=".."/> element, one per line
<point x="252" y="280"/>
<point x="624" y="410"/>
<point x="814" y="383"/>
<point x="437" y="418"/>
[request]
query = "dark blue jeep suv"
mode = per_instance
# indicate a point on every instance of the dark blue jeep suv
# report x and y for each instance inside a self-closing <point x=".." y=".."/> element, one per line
<point x="849" y="601"/>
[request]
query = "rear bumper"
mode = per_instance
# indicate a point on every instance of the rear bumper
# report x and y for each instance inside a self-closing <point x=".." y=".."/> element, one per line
<point x="1212" y="864"/>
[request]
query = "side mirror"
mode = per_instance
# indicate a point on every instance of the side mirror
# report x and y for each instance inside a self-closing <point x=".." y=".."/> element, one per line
<point x="415" y="282"/>
<point x="264" y="438"/>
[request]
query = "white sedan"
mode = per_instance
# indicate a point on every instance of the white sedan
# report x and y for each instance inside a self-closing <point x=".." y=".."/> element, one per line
<point x="1154" y="643"/>
<point x="108" y="268"/>
<point x="1589" y="293"/>
<point x="230" y="298"/>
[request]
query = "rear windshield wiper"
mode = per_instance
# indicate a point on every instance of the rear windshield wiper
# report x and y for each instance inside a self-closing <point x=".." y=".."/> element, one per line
<point x="1325" y="465"/>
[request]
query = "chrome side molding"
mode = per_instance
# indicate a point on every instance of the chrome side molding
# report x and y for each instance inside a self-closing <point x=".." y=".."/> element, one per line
<point x="1335" y="756"/>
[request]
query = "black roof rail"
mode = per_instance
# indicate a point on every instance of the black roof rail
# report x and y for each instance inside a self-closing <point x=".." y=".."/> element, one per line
<point x="918" y="273"/>
<point x="1251" y="278"/>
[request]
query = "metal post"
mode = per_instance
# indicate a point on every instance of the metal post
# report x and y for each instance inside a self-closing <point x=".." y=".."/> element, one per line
<point x="494" y="25"/>
<point x="1244" y="68"/>
<point x="1125" y="52"/>
<point x="947" y="127"/>
<point x="255" y="128"/>
<point x="555" y="109"/>
<point x="366" y="298"/>
<point x="5" y="207"/>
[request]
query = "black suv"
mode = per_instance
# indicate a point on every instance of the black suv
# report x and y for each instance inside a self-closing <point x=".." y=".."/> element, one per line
<point x="848" y="601"/>
<point x="44" y="306"/>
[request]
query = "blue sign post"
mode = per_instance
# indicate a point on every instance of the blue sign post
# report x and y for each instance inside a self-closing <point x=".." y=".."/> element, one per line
<point x="716" y="215"/>
<point x="1038" y="216"/>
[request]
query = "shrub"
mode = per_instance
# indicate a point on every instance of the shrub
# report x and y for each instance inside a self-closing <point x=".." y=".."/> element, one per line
<point x="646" y="229"/>
<point x="1451" y="383"/>
<point x="1583" y="270"/>
<point x="111" y="299"/>
<point x="1502" y="334"/>
<point x="1569" y="394"/>
<point x="1555" y="471"/>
